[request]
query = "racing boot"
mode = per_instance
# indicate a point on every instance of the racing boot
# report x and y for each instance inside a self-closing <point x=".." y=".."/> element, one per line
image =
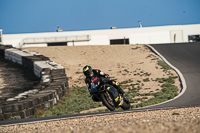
<point x="119" y="89"/>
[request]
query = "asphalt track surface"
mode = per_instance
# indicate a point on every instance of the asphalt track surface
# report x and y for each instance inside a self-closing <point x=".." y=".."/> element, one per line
<point x="186" y="58"/>
<point x="183" y="56"/>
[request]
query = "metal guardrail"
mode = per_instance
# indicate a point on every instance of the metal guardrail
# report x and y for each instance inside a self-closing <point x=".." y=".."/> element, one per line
<point x="54" y="39"/>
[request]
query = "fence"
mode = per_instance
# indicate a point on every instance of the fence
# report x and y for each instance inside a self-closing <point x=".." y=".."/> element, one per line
<point x="54" y="39"/>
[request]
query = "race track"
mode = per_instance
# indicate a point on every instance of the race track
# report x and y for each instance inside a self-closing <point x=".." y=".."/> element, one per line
<point x="186" y="58"/>
<point x="183" y="56"/>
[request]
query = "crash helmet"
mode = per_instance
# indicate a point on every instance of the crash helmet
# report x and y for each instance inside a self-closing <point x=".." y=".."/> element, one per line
<point x="87" y="70"/>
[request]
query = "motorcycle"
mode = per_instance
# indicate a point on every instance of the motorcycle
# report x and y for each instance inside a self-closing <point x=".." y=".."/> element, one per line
<point x="108" y="95"/>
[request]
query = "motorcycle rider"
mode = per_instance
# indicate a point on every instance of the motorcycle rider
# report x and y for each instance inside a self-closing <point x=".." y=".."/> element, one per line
<point x="90" y="73"/>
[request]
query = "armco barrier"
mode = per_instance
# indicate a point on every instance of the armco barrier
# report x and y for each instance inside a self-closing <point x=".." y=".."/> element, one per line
<point x="52" y="87"/>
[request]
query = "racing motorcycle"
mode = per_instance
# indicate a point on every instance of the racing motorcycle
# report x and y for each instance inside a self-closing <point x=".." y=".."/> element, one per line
<point x="108" y="95"/>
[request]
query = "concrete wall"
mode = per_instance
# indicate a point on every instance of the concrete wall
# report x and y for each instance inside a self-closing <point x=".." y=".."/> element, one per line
<point x="52" y="87"/>
<point x="144" y="35"/>
<point x="150" y="37"/>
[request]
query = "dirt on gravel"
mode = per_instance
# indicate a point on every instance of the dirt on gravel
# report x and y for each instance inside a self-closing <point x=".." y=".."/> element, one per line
<point x="182" y="120"/>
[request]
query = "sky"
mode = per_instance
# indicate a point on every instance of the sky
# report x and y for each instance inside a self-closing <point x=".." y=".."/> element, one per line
<point x="34" y="16"/>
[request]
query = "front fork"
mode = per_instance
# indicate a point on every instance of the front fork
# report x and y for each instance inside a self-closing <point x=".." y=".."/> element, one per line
<point x="119" y="100"/>
<point x="117" y="97"/>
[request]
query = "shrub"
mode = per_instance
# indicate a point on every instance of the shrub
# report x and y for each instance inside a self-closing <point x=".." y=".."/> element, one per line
<point x="79" y="72"/>
<point x="146" y="80"/>
<point x="39" y="112"/>
<point x="15" y="117"/>
<point x="127" y="81"/>
<point x="139" y="88"/>
<point x="163" y="65"/>
<point x="126" y="70"/>
<point x="174" y="113"/>
<point x="147" y="74"/>
<point x="135" y="48"/>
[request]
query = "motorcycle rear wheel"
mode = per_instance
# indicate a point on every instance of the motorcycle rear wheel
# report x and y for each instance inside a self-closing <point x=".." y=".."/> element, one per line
<point x="108" y="100"/>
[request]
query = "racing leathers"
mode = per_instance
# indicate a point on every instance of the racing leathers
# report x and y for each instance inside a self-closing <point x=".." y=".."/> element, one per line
<point x="105" y="78"/>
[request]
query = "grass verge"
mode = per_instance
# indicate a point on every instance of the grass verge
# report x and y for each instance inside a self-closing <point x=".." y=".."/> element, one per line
<point x="75" y="101"/>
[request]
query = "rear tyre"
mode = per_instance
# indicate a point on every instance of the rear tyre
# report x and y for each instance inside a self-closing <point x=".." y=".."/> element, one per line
<point x="108" y="100"/>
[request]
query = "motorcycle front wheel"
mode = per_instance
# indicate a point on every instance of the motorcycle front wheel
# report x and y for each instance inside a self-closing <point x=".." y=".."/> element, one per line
<point x="126" y="105"/>
<point x="108" y="100"/>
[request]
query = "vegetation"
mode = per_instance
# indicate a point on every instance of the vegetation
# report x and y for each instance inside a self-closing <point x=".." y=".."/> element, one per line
<point x="127" y="81"/>
<point x="174" y="113"/>
<point x="15" y="117"/>
<point x="79" y="72"/>
<point x="168" y="91"/>
<point x="75" y="101"/>
<point x="78" y="98"/>
<point x="135" y="48"/>
<point x="163" y="65"/>
<point x="146" y="80"/>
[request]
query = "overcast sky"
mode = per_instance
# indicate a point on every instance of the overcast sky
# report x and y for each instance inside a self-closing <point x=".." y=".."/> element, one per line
<point x="30" y="16"/>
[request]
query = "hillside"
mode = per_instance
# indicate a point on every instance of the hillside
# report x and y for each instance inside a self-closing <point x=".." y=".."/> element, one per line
<point x="138" y="69"/>
<point x="120" y="62"/>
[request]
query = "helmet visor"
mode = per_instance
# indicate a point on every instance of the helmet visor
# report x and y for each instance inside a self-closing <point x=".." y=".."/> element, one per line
<point x="87" y="73"/>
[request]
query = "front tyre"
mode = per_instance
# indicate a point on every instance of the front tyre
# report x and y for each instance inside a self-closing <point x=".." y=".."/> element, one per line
<point x="108" y="100"/>
<point x="126" y="105"/>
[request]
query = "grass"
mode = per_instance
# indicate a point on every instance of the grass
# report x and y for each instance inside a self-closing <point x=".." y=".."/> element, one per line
<point x="126" y="70"/>
<point x="167" y="80"/>
<point x="15" y="117"/>
<point x="135" y="48"/>
<point x="78" y="98"/>
<point x="150" y="56"/>
<point x="127" y="81"/>
<point x="79" y="72"/>
<point x="174" y="113"/>
<point x="168" y="91"/>
<point x="146" y="80"/>
<point x="164" y="66"/>
<point x="146" y="74"/>
<point x="75" y="101"/>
